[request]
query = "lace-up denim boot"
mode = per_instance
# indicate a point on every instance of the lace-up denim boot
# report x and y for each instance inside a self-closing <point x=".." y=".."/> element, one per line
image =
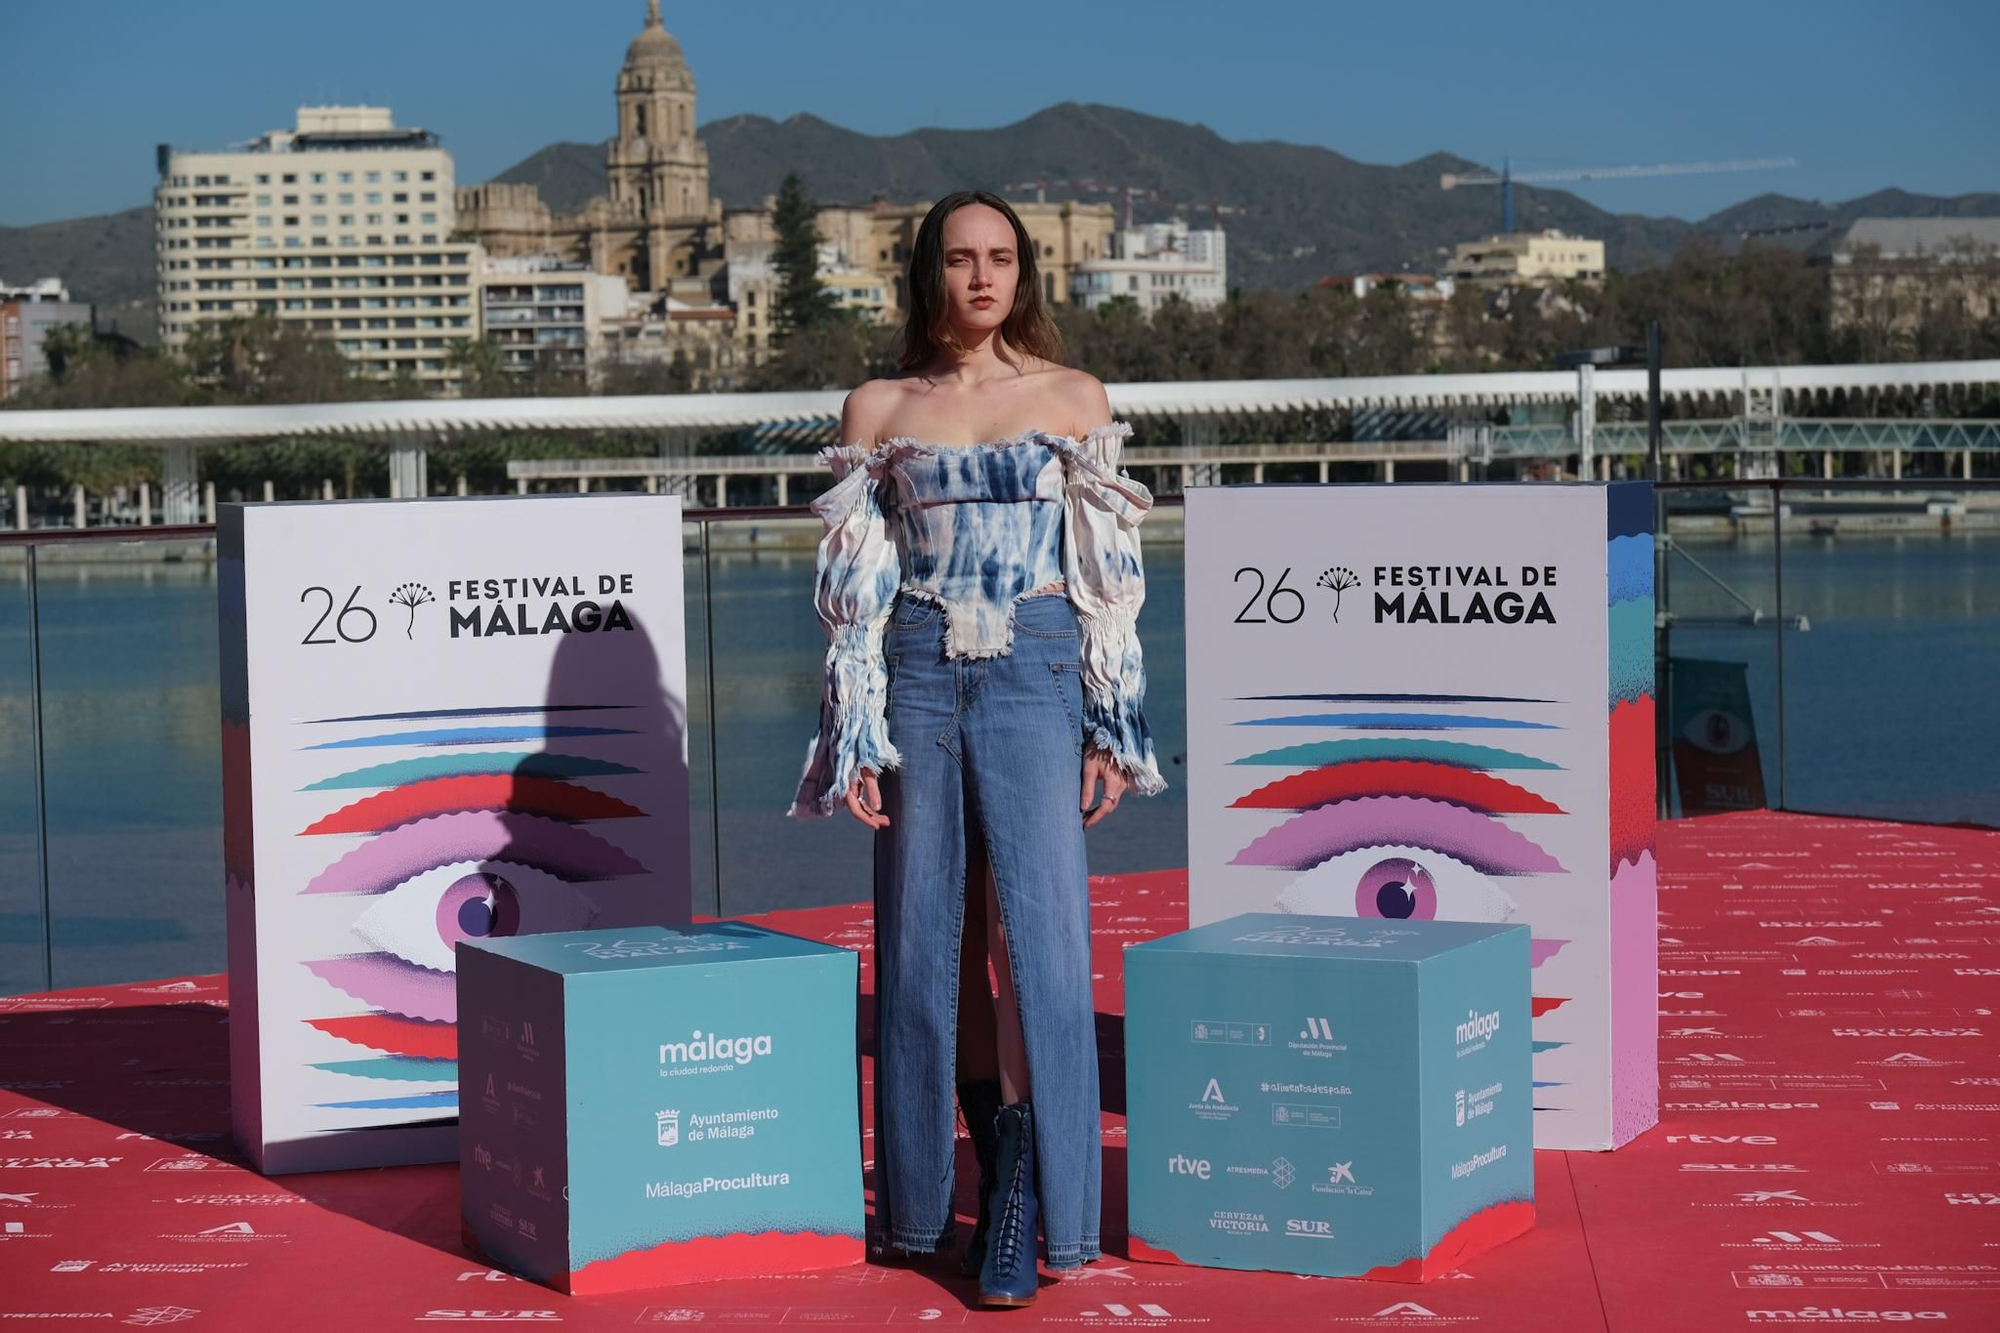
<point x="1008" y="1276"/>
<point x="979" y="1100"/>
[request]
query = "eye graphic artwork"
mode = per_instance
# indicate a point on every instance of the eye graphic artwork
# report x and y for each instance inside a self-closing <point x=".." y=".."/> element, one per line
<point x="1397" y="884"/>
<point x="472" y="835"/>
<point x="1315" y="753"/>
<point x="519" y="764"/>
<point x="1400" y="827"/>
<point x="460" y="845"/>
<point x="1318" y="835"/>
<point x="422" y="918"/>
<point x="1400" y="722"/>
<point x="493" y="791"/>
<point x="1397" y="777"/>
<point x="1400" y="858"/>
<point x="494" y="735"/>
<point x="1717" y="732"/>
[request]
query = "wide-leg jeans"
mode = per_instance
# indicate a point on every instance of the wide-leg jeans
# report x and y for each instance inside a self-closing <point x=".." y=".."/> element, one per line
<point x="991" y="749"/>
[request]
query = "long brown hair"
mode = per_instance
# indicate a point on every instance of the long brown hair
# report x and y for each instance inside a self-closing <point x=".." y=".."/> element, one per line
<point x="927" y="331"/>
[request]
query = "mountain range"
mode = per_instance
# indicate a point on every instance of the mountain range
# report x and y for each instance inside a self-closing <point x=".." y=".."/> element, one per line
<point x="1305" y="212"/>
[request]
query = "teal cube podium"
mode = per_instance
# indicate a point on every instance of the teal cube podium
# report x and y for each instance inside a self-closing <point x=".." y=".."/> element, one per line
<point x="1328" y="1095"/>
<point x="643" y="1107"/>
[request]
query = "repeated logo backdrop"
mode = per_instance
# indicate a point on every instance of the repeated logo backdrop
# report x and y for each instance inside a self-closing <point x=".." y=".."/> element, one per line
<point x="1828" y="1152"/>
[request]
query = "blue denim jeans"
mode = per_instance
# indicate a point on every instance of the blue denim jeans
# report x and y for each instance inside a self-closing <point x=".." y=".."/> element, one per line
<point x="994" y="746"/>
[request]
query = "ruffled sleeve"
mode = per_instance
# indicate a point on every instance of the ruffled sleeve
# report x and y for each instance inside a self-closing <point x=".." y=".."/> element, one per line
<point x="855" y="586"/>
<point x="1107" y="584"/>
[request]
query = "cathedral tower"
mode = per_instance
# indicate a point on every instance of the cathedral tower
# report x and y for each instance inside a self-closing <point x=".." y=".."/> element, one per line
<point x="657" y="168"/>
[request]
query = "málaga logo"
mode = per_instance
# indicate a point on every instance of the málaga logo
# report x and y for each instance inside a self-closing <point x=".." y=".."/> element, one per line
<point x="712" y="1047"/>
<point x="1477" y="1028"/>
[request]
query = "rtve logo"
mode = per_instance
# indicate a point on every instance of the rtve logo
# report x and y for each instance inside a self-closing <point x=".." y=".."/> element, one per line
<point x="1198" y="1167"/>
<point x="1762" y="1140"/>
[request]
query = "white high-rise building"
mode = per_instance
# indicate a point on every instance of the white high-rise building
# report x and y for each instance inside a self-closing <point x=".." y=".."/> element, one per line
<point x="343" y="224"/>
<point x="1154" y="264"/>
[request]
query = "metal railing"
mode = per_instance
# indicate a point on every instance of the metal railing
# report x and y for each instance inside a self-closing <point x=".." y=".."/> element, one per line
<point x="1862" y="660"/>
<point x="1742" y="434"/>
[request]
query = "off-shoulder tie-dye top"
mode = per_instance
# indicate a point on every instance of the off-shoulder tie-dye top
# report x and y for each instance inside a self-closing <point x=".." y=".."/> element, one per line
<point x="976" y="528"/>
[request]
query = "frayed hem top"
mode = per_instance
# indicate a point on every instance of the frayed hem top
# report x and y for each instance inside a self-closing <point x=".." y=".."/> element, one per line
<point x="977" y="528"/>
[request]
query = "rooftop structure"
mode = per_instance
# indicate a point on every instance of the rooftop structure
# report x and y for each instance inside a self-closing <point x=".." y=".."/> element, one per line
<point x="1934" y="240"/>
<point x="1891" y="277"/>
<point x="1528" y="258"/>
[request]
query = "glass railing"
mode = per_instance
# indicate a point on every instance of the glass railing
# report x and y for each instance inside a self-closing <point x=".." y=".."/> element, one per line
<point x="1845" y="634"/>
<point x="1842" y="667"/>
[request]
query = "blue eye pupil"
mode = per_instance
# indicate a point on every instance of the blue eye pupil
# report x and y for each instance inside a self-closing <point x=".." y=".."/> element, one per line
<point x="475" y="916"/>
<point x="1395" y="900"/>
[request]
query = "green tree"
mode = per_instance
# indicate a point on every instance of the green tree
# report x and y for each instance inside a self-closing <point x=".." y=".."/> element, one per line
<point x="645" y="375"/>
<point x="86" y="371"/>
<point x="802" y="300"/>
<point x="839" y="351"/>
<point x="260" y="359"/>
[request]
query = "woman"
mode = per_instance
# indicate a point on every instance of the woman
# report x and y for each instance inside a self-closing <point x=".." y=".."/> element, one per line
<point x="979" y="581"/>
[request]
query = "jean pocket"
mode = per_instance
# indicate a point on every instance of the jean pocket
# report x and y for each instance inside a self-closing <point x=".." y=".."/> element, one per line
<point x="1047" y="616"/>
<point x="1067" y="678"/>
<point x="912" y="613"/>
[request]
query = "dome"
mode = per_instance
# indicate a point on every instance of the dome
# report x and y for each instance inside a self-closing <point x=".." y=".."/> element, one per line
<point x="655" y="48"/>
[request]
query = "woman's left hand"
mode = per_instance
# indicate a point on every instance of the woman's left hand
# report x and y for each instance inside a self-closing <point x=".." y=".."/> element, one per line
<point x="1099" y="766"/>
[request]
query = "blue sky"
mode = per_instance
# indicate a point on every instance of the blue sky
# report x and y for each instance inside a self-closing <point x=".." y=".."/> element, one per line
<point x="1864" y="95"/>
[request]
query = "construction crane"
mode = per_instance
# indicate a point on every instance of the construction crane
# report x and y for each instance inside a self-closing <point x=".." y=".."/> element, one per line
<point x="1506" y="177"/>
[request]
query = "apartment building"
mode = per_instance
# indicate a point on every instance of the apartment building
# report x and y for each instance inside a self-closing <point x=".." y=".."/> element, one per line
<point x="1528" y="258"/>
<point x="343" y="224"/>
<point x="542" y="309"/>
<point x="1155" y="264"/>
<point x="27" y="314"/>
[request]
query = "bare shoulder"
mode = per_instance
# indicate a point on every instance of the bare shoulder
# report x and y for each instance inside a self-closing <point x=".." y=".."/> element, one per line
<point x="1084" y="398"/>
<point x="867" y="410"/>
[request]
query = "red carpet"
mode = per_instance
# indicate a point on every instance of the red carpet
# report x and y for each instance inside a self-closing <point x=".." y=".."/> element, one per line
<point x="1829" y="1151"/>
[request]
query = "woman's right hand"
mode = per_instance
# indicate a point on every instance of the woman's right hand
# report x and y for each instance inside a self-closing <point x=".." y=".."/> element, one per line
<point x="864" y="800"/>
